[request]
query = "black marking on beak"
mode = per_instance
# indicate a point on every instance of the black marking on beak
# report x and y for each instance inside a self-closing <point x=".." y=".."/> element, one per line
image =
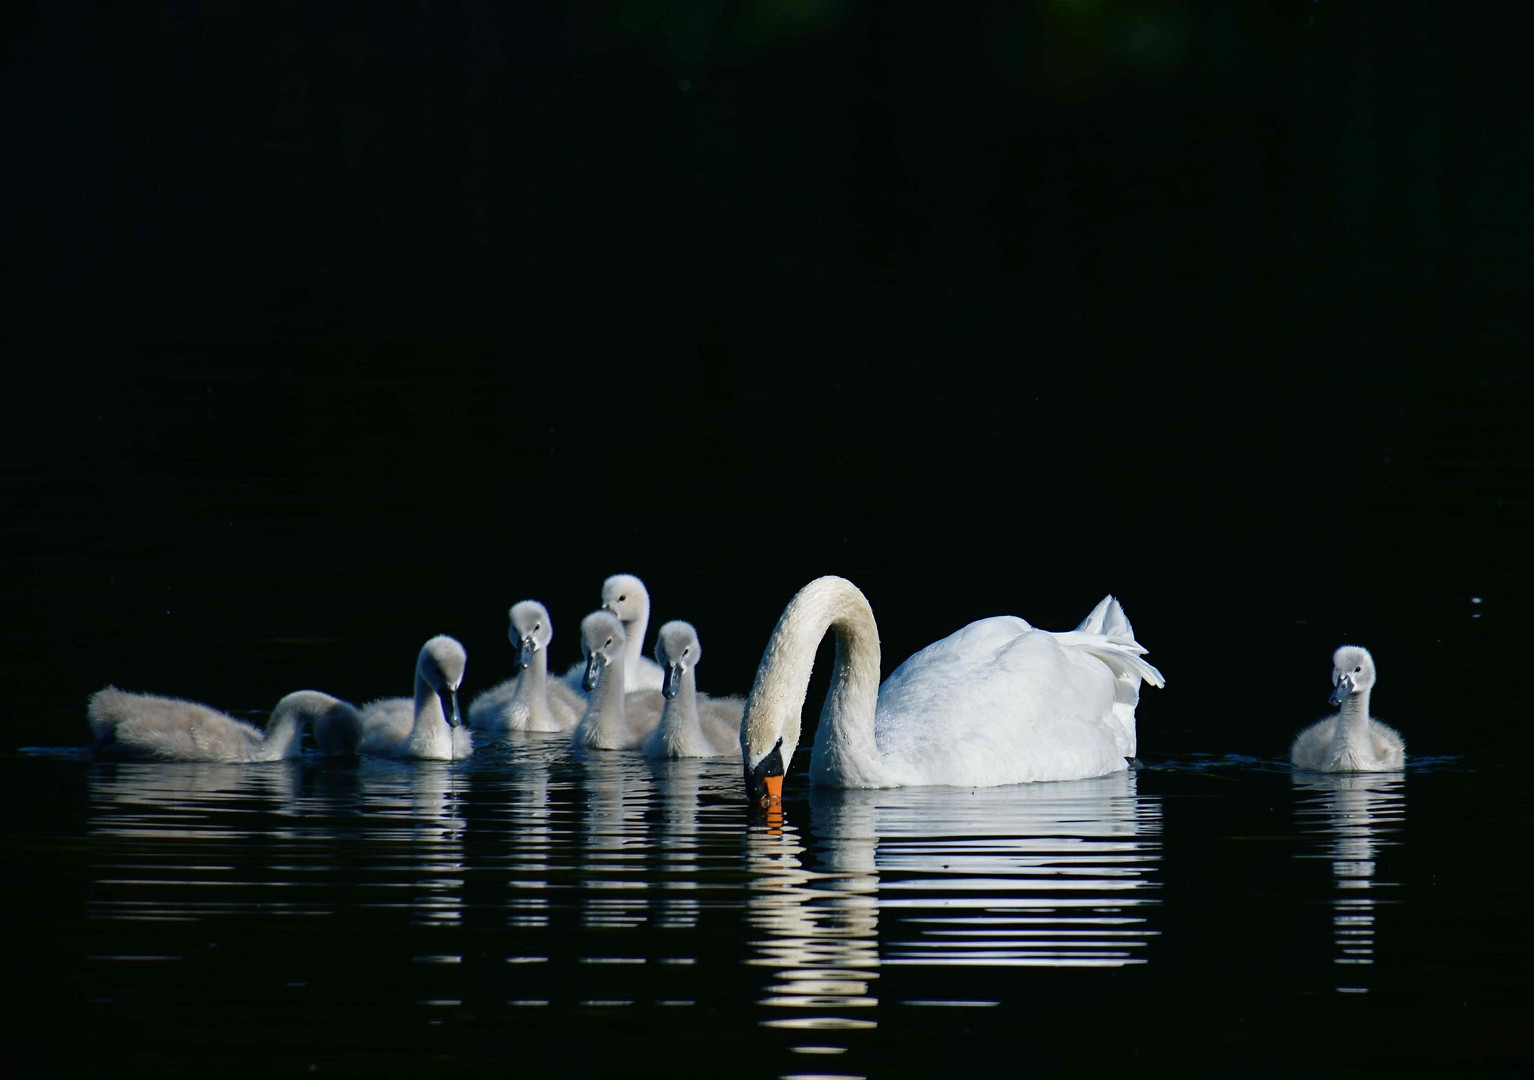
<point x="673" y="681"/>
<point x="1343" y="688"/>
<point x="525" y="653"/>
<point x="756" y="778"/>
<point x="449" y="697"/>
<point x="593" y="672"/>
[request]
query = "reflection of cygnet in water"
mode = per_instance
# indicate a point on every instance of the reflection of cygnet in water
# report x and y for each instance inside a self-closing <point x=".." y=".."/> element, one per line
<point x="429" y="726"/>
<point x="692" y="724"/>
<point x="1350" y="741"/>
<point x="167" y="729"/>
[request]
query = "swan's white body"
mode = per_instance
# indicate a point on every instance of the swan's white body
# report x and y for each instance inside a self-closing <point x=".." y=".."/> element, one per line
<point x="692" y="724"/>
<point x="530" y="701"/>
<point x="169" y="729"/>
<point x="615" y="717"/>
<point x="1351" y="740"/>
<point x="997" y="702"/>
<point x="425" y="727"/>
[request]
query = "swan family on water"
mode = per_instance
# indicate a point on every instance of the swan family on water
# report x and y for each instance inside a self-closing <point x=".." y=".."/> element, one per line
<point x="996" y="702"/>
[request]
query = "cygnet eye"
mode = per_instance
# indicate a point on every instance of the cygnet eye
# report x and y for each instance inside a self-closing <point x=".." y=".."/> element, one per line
<point x="609" y="642"/>
<point x="622" y="598"/>
<point x="1359" y="668"/>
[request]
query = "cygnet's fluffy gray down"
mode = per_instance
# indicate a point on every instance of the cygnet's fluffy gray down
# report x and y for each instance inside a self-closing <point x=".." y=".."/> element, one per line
<point x="148" y="727"/>
<point x="1351" y="740"/>
<point x="614" y="718"/>
<point x="530" y="701"/>
<point x="692" y="724"/>
<point x="429" y="726"/>
<point x="626" y="597"/>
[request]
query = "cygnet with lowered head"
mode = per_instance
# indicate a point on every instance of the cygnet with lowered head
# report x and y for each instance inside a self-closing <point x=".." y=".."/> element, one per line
<point x="615" y="718"/>
<point x="429" y="726"/>
<point x="692" y="724"/>
<point x="1352" y="740"/>
<point x="147" y="727"/>
<point x="529" y="701"/>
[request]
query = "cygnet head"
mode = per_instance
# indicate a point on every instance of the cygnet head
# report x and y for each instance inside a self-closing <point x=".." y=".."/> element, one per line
<point x="440" y="666"/>
<point x="677" y="651"/>
<point x="602" y="642"/>
<point x="530" y="631"/>
<point x="1352" y="672"/>
<point x="337" y="725"/>
<point x="626" y="597"/>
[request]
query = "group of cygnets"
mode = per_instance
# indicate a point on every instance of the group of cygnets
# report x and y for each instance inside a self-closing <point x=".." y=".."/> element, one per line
<point x="996" y="702"/>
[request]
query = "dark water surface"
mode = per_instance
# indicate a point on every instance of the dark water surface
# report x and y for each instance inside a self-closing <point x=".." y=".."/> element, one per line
<point x="527" y="913"/>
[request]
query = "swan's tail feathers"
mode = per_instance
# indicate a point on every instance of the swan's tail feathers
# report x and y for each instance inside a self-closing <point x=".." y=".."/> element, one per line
<point x="1108" y="619"/>
<point x="1127" y="664"/>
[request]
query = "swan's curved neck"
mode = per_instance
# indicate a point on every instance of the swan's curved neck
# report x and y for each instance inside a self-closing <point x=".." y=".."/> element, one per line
<point x="1354" y="716"/>
<point x="679" y="716"/>
<point x="844" y="742"/>
<point x="633" y="648"/>
<point x="283" y="732"/>
<point x="532" y="686"/>
<point x="428" y="709"/>
<point x="602" y="724"/>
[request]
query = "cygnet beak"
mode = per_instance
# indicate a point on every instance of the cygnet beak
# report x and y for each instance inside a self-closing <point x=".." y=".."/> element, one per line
<point x="673" y="681"/>
<point x="448" y="695"/>
<point x="525" y="653"/>
<point x="1343" y="688"/>
<point x="593" y="671"/>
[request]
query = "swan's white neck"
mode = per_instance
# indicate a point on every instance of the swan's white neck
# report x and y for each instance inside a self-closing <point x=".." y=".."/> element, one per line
<point x="532" y="691"/>
<point x="844" y="742"/>
<point x="602" y="725"/>
<point x="679" y="728"/>
<point x="1353" y="719"/>
<point x="283" y="732"/>
<point x="430" y="736"/>
<point x="633" y="648"/>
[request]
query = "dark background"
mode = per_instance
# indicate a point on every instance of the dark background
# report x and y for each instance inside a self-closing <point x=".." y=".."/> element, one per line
<point x="330" y="327"/>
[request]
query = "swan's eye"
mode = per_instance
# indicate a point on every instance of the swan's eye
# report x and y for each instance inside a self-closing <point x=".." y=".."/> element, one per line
<point x="609" y="642"/>
<point x="687" y="650"/>
<point x="622" y="598"/>
<point x="1358" y="669"/>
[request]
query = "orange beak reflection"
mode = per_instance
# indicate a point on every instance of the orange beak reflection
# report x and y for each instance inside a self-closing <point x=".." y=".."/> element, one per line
<point x="774" y="786"/>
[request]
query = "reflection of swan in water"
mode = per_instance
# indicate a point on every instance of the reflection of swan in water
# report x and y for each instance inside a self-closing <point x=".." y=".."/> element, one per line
<point x="1056" y="875"/>
<point x="614" y="840"/>
<point x="184" y="841"/>
<point x="415" y="810"/>
<point x="1356" y="812"/>
<point x="684" y="788"/>
<point x="1052" y="875"/>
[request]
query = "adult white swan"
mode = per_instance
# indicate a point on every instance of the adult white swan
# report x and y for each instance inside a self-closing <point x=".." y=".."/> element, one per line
<point x="1351" y="740"/>
<point x="428" y="726"/>
<point x="154" y="728"/>
<point x="529" y="701"/>
<point x="692" y="724"/>
<point x="997" y="702"/>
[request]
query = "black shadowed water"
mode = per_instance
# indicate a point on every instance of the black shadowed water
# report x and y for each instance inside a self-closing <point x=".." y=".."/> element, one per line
<point x="525" y="911"/>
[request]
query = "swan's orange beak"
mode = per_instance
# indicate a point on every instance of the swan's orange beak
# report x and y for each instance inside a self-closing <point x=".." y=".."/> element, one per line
<point x="764" y="783"/>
